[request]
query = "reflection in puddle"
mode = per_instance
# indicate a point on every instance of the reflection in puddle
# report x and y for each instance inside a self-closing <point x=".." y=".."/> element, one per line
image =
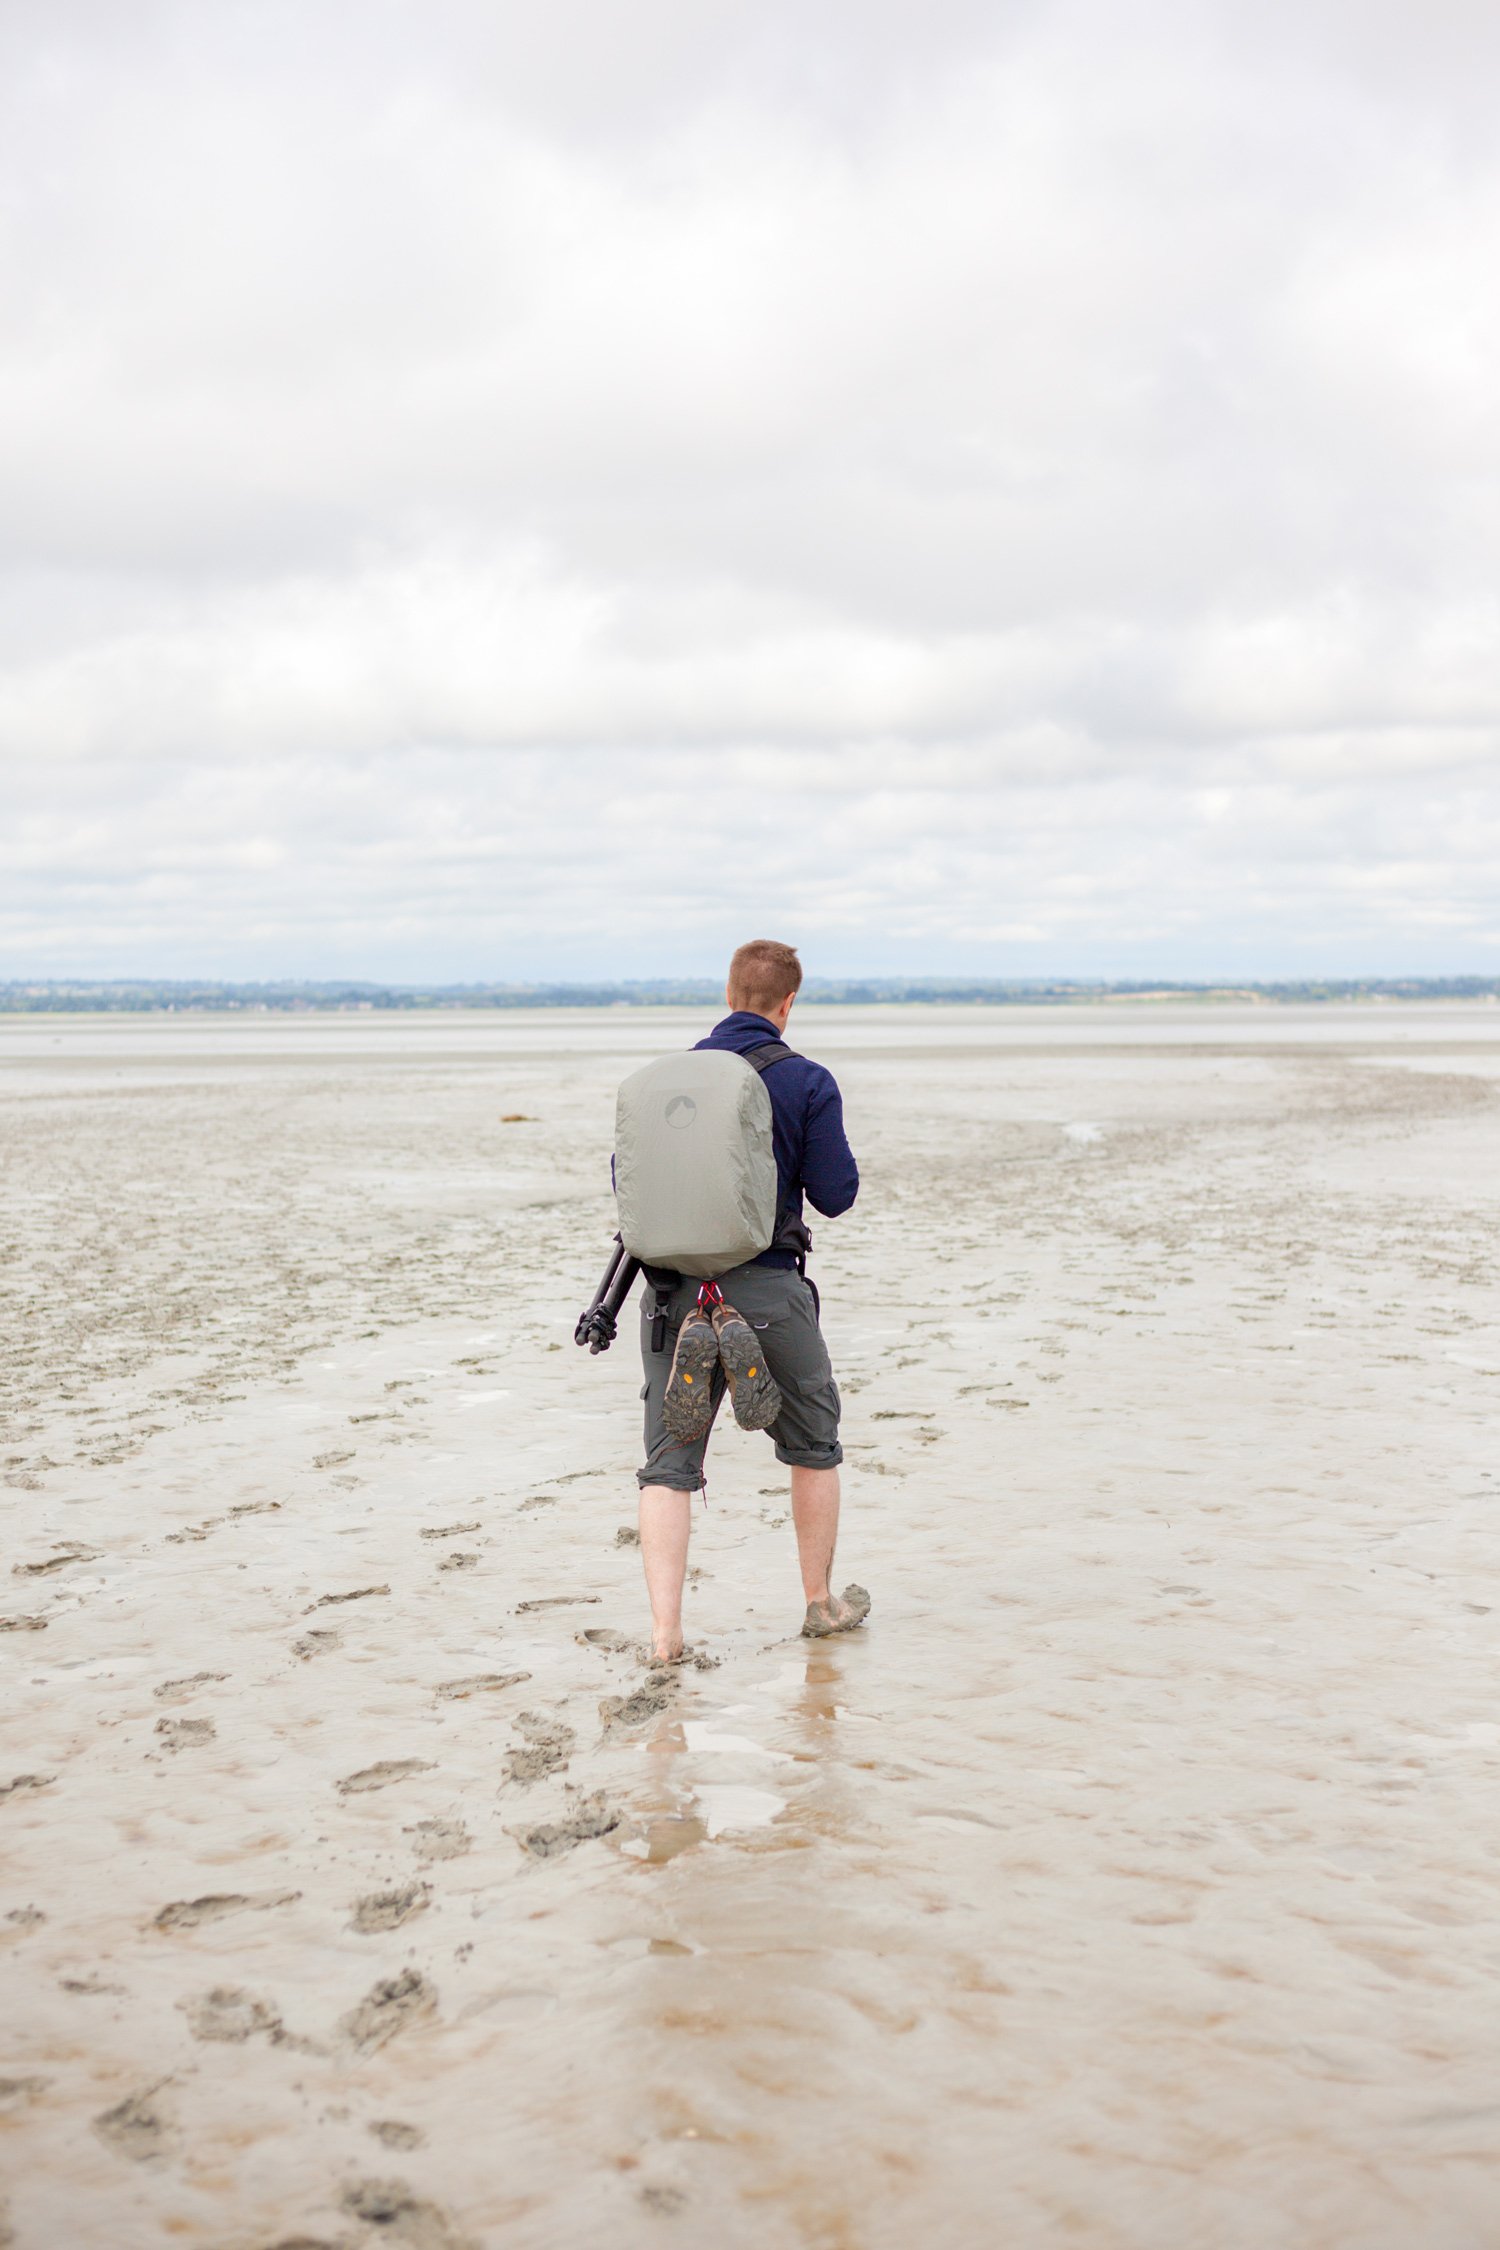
<point x="663" y="1836"/>
<point x="703" y="1737"/>
<point x="728" y="1806"/>
<point x="677" y="1812"/>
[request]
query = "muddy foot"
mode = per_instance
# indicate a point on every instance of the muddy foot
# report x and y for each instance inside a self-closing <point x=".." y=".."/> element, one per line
<point x="839" y="1614"/>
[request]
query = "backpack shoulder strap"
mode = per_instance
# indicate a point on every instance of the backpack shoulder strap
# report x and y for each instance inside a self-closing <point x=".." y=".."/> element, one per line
<point x="762" y="1059"/>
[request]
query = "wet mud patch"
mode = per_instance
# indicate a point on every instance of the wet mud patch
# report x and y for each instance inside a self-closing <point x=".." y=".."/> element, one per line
<point x="216" y="1906"/>
<point x="392" y="2133"/>
<point x="591" y="1817"/>
<point x="62" y="1557"/>
<point x="178" y="1691"/>
<point x="185" y="1734"/>
<point x="381" y="1775"/>
<point x="387" y="1910"/>
<point x="479" y="1683"/>
<point x="141" y="2128"/>
<point x="439" y="1839"/>
<point x="316" y="1642"/>
<point x="227" y="2016"/>
<point x="24" y="1783"/>
<point x="20" y="2093"/>
<point x="389" y="2007"/>
<point x="549" y="1745"/>
<point x="389" y="2208"/>
<point x="648" y="1701"/>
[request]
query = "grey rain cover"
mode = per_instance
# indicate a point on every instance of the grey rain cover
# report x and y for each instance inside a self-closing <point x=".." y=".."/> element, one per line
<point x="695" y="1171"/>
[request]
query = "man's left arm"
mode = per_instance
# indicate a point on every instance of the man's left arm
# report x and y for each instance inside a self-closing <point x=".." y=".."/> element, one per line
<point x="830" y="1176"/>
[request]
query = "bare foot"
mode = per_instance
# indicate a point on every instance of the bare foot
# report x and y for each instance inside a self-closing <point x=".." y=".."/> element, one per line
<point x="666" y="1652"/>
<point x="839" y="1614"/>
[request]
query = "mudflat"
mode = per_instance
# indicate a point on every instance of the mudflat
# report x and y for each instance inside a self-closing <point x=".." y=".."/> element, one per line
<point x="1130" y="1880"/>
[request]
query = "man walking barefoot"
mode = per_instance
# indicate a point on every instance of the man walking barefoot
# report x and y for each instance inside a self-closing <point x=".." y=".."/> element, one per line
<point x="772" y="1295"/>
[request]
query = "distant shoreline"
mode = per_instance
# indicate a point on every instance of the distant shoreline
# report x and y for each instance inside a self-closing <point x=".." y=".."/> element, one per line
<point x="163" y="996"/>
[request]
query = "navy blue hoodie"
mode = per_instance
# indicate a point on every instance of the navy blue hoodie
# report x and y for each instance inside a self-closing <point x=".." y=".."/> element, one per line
<point x="813" y="1157"/>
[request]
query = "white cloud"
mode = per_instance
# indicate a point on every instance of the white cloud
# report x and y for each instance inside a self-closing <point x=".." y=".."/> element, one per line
<point x="490" y="491"/>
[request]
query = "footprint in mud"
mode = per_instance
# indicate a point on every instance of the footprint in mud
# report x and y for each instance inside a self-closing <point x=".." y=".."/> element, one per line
<point x="551" y="1745"/>
<point x="537" y="1500"/>
<point x="192" y="1913"/>
<point x="381" y="1775"/>
<point x="605" y="1637"/>
<point x="178" y="1691"/>
<point x="89" y="1986"/>
<point x="141" y="2127"/>
<point x="439" y="1839"/>
<point x="61" y="1556"/>
<point x="316" y="1642"/>
<point x="185" y="1734"/>
<point x="331" y="1460"/>
<point x="627" y="1536"/>
<point x="26" y="1781"/>
<point x="26" y="1917"/>
<point x="648" y="1701"/>
<point x="360" y="1594"/>
<point x="193" y="1531"/>
<point x="18" y="2093"/>
<point x="23" y="1624"/>
<point x="389" y="2208"/>
<point x="388" y="2007"/>
<point x="590" y="1817"/>
<point x="387" y="1910"/>
<point x="230" y="2016"/>
<point x="449" y="1531"/>
<point x="479" y="1683"/>
<point x="392" y="2133"/>
<point x="556" y="1601"/>
<point x="459" y="1562"/>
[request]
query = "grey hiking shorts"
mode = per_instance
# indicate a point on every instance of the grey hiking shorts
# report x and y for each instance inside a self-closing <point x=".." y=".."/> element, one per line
<point x="781" y="1307"/>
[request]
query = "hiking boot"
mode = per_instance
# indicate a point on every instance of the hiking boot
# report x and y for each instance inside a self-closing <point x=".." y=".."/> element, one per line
<point x="752" y="1387"/>
<point x="687" y="1405"/>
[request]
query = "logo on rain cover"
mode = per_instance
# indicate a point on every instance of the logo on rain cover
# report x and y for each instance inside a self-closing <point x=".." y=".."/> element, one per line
<point x="681" y="1110"/>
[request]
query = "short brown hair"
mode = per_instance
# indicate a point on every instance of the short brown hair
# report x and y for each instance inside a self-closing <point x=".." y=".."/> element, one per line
<point x="761" y="975"/>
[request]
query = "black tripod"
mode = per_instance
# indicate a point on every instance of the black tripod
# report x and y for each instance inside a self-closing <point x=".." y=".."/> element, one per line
<point x="597" y="1324"/>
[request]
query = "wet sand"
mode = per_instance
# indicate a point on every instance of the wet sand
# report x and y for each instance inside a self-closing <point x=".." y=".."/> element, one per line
<point x="1130" y="1881"/>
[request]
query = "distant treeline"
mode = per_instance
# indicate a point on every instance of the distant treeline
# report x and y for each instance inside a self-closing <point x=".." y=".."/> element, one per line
<point x="151" y="995"/>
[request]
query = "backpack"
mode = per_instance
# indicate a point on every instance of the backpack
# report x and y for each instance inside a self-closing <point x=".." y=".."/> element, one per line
<point x="695" y="1171"/>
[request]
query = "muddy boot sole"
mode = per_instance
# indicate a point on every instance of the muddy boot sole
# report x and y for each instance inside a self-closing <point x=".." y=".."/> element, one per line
<point x="753" y="1389"/>
<point x="687" y="1405"/>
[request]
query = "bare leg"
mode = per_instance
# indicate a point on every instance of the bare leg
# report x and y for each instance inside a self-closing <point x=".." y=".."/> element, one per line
<point x="815" y="1512"/>
<point x="666" y="1522"/>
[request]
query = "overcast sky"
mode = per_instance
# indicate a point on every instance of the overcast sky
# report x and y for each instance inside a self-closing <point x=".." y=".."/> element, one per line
<point x="494" y="490"/>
